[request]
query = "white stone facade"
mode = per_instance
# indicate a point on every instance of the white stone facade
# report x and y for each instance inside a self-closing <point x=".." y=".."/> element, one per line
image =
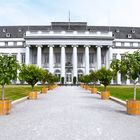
<point x="69" y="54"/>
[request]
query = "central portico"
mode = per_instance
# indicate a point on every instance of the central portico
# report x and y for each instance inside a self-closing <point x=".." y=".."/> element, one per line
<point x="69" y="53"/>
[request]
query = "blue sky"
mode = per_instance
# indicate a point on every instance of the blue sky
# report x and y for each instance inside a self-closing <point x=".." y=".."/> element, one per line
<point x="94" y="12"/>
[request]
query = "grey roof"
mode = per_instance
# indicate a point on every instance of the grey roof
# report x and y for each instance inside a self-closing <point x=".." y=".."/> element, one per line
<point x="118" y="32"/>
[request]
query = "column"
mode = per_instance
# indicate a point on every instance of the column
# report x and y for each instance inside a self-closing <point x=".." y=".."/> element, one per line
<point x="39" y="55"/>
<point x="86" y="59"/>
<point x="51" y="58"/>
<point x="118" y="74"/>
<point x="110" y="55"/>
<point x="27" y="60"/>
<point x="63" y="60"/>
<point x="75" y="60"/>
<point x="98" y="57"/>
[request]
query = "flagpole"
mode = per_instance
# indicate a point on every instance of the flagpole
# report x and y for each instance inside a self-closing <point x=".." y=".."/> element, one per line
<point x="69" y="21"/>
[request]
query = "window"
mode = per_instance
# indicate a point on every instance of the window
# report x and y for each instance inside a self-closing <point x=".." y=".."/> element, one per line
<point x="91" y="58"/>
<point x="80" y="58"/>
<point x="23" y="58"/>
<point x="118" y="43"/>
<point x="19" y="43"/>
<point x="8" y="35"/>
<point x="68" y="57"/>
<point x="10" y="43"/>
<point x="2" y="43"/>
<point x="126" y="44"/>
<point x="45" y="59"/>
<point x="103" y="59"/>
<point x="34" y="59"/>
<point x="57" y="58"/>
<point x="129" y="36"/>
<point x="114" y="56"/>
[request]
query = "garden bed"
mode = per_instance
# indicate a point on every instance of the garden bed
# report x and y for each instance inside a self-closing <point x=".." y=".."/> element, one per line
<point x="15" y="92"/>
<point x="121" y="92"/>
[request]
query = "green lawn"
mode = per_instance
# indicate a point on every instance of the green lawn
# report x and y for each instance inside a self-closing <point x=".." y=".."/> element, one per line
<point x="14" y="92"/>
<point x="122" y="92"/>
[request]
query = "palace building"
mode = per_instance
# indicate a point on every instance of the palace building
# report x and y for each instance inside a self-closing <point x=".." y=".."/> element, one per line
<point x="69" y="49"/>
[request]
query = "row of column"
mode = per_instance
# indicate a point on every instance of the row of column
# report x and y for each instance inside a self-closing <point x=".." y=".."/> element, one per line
<point x="39" y="57"/>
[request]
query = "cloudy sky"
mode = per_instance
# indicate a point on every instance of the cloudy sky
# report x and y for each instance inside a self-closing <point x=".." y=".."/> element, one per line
<point x="95" y="12"/>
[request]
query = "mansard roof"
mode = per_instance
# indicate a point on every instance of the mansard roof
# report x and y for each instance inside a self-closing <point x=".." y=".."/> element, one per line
<point x="118" y="32"/>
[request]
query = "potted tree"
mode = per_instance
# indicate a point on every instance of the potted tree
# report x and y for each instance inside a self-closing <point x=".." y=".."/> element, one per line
<point x="80" y="79"/>
<point x="51" y="80"/>
<point x="105" y="76"/>
<point x="86" y="79"/>
<point x="44" y="80"/>
<point x="94" y="78"/>
<point x="130" y="69"/>
<point x="31" y="74"/>
<point x="8" y="72"/>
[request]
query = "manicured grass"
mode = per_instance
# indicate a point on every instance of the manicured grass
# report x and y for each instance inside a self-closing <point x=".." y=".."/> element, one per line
<point x="14" y="92"/>
<point x="121" y="92"/>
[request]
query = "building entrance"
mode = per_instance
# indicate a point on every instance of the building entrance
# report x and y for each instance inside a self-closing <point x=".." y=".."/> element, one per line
<point x="69" y="78"/>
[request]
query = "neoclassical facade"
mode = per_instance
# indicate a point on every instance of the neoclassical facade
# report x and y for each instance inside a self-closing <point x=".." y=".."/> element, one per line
<point x="69" y="49"/>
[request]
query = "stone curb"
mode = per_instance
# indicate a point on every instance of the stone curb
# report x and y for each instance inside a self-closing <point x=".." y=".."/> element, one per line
<point x="116" y="100"/>
<point x="21" y="100"/>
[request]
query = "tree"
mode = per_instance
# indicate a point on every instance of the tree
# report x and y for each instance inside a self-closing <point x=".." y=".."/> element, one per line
<point x="105" y="76"/>
<point x="8" y="70"/>
<point x="130" y="68"/>
<point x="115" y="66"/>
<point x="45" y="77"/>
<point x="52" y="78"/>
<point x="31" y="74"/>
<point x="85" y="79"/>
<point x="94" y="77"/>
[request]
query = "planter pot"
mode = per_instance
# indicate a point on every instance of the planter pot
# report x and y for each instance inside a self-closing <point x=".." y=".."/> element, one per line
<point x="105" y="95"/>
<point x="94" y="90"/>
<point x="32" y="95"/>
<point x="133" y="107"/>
<point x="5" y="106"/>
<point x="86" y="87"/>
<point x="50" y="87"/>
<point x="44" y="90"/>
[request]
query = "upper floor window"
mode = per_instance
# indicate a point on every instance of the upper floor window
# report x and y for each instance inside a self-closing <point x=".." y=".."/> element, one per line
<point x="57" y="58"/>
<point x="91" y="58"/>
<point x="80" y="58"/>
<point x="2" y="43"/>
<point x="10" y="43"/>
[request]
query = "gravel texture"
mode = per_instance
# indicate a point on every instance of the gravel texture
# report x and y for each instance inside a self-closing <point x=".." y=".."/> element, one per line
<point x="69" y="113"/>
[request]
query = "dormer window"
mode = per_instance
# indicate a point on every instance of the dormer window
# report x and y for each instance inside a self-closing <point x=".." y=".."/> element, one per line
<point x="4" y="30"/>
<point x="129" y="36"/>
<point x="117" y="30"/>
<point x="19" y="30"/>
<point x="8" y="35"/>
<point x="133" y="31"/>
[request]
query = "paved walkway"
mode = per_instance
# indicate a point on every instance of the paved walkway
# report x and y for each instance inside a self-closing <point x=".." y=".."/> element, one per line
<point x="69" y="113"/>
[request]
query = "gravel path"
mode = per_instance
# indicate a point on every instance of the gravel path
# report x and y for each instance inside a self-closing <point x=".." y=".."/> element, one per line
<point x="69" y="113"/>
